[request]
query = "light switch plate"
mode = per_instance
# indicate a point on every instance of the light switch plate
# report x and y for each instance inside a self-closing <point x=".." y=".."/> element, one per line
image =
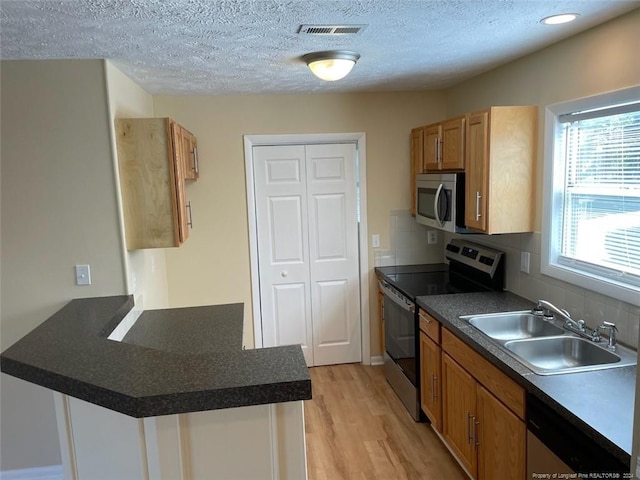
<point x="375" y="240"/>
<point x="83" y="275"/>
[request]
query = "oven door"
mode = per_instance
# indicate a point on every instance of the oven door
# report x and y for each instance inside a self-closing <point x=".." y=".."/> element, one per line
<point x="434" y="204"/>
<point x="400" y="332"/>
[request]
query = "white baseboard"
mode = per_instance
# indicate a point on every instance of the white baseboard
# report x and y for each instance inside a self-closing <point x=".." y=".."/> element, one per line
<point x="377" y="360"/>
<point x="53" y="472"/>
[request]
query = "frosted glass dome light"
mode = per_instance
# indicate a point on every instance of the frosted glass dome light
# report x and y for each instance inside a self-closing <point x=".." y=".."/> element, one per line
<point x="331" y="65"/>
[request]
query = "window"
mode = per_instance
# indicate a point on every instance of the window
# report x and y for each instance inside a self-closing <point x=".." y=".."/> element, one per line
<point x="591" y="226"/>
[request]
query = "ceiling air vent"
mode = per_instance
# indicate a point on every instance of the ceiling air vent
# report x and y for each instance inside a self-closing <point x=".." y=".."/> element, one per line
<point x="331" y="29"/>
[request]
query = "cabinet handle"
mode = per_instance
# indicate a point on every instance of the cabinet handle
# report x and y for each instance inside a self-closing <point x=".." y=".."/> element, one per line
<point x="476" y="437"/>
<point x="478" y="197"/>
<point x="469" y="435"/>
<point x="190" y="221"/>
<point x="437" y="149"/>
<point x="196" y="166"/>
<point x="434" y="394"/>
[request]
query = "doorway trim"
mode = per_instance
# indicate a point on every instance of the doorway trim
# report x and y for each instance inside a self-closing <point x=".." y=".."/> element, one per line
<point x="359" y="139"/>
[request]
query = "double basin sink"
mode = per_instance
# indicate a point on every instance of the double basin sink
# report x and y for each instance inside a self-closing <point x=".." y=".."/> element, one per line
<point x="545" y="347"/>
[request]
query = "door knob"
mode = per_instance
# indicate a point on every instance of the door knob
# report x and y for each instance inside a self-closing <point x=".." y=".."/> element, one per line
<point x="283" y="274"/>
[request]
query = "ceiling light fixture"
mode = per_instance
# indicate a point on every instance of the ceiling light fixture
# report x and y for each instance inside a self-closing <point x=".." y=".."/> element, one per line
<point x="331" y="65"/>
<point x="559" y="19"/>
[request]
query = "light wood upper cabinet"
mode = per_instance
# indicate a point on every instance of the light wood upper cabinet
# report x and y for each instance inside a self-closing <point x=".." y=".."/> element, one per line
<point x="432" y="139"/>
<point x="453" y="144"/>
<point x="500" y="169"/>
<point x="152" y="177"/>
<point x="417" y="158"/>
<point x="189" y="151"/>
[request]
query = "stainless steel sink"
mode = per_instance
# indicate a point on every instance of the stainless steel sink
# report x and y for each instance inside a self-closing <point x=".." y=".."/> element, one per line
<point x="565" y="354"/>
<point x="546" y="347"/>
<point x="504" y="327"/>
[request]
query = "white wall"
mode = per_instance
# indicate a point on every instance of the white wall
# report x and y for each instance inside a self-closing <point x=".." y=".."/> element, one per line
<point x="213" y="265"/>
<point x="146" y="270"/>
<point x="58" y="209"/>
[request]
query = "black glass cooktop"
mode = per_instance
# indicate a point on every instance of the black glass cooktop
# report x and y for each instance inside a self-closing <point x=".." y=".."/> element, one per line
<point x="437" y="280"/>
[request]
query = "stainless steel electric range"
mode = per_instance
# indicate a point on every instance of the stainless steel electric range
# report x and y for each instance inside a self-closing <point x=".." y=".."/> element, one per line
<point x="471" y="268"/>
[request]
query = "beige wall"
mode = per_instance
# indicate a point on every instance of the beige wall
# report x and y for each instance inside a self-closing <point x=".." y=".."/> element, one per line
<point x="602" y="59"/>
<point x="213" y="265"/>
<point x="58" y="210"/>
<point x="146" y="270"/>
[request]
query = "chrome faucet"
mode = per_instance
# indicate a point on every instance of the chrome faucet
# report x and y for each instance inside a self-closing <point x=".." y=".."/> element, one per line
<point x="612" y="333"/>
<point x="545" y="308"/>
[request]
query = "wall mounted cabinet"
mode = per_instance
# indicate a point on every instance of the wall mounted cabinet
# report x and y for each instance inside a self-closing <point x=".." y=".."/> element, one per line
<point x="417" y="165"/>
<point x="500" y="169"/>
<point x="444" y="146"/>
<point x="152" y="164"/>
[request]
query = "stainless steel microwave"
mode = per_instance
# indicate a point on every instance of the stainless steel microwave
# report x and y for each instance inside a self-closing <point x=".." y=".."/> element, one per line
<point x="440" y="201"/>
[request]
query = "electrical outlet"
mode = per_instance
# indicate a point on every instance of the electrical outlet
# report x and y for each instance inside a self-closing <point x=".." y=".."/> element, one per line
<point x="375" y="241"/>
<point x="432" y="237"/>
<point x="83" y="275"/>
<point x="525" y="258"/>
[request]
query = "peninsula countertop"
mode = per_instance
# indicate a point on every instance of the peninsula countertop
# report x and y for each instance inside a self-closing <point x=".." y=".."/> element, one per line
<point x="171" y="361"/>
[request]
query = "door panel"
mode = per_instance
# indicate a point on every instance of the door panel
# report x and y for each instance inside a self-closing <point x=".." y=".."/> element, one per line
<point x="283" y="246"/>
<point x="289" y="301"/>
<point x="306" y="214"/>
<point x="330" y="227"/>
<point x="285" y="229"/>
<point x="333" y="252"/>
<point x="459" y="396"/>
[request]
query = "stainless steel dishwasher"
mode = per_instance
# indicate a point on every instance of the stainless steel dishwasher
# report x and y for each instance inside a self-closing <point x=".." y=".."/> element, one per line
<point x="555" y="446"/>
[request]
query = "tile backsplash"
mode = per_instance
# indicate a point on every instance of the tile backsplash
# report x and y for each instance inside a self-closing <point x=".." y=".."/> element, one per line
<point x="579" y="302"/>
<point x="408" y="242"/>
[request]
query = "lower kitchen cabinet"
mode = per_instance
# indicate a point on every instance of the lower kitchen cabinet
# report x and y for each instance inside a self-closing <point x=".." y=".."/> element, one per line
<point x="501" y="439"/>
<point x="431" y="380"/>
<point x="482" y="414"/>
<point x="459" y="413"/>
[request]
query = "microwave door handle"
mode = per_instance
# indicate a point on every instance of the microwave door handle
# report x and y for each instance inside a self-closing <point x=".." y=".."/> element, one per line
<point x="436" y="205"/>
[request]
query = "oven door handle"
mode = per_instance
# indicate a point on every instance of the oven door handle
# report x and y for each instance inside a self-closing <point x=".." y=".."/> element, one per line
<point x="408" y="306"/>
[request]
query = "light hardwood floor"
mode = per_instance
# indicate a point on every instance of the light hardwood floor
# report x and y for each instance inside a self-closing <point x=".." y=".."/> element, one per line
<point x="357" y="429"/>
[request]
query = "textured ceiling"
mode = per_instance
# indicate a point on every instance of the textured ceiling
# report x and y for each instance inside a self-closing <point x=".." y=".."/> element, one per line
<point x="253" y="46"/>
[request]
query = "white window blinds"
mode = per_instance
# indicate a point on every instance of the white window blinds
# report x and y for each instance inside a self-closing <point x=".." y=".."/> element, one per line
<point x="600" y="232"/>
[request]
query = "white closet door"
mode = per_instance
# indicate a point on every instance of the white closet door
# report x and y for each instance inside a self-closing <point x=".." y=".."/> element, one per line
<point x="333" y="249"/>
<point x="308" y="249"/>
<point x="283" y="246"/>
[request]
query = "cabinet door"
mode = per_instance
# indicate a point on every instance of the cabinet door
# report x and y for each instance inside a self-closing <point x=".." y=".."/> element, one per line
<point x="459" y="417"/>
<point x="501" y="438"/>
<point x="190" y="155"/>
<point x="453" y="144"/>
<point x="477" y="168"/>
<point x="431" y="380"/>
<point x="417" y="139"/>
<point x="177" y="167"/>
<point x="432" y="146"/>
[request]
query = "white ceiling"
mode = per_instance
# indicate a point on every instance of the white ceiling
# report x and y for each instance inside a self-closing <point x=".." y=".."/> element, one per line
<point x="253" y="46"/>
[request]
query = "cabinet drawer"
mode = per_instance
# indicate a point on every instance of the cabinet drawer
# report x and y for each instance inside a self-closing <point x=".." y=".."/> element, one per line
<point x="505" y="389"/>
<point x="430" y="326"/>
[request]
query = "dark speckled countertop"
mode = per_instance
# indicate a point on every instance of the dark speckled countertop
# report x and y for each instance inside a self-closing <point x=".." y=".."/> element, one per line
<point x="171" y="361"/>
<point x="599" y="403"/>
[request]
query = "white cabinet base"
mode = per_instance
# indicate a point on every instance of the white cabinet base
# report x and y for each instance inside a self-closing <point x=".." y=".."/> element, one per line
<point x="252" y="443"/>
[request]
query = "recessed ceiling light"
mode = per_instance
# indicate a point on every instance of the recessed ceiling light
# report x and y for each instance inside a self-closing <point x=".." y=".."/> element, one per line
<point x="559" y="19"/>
